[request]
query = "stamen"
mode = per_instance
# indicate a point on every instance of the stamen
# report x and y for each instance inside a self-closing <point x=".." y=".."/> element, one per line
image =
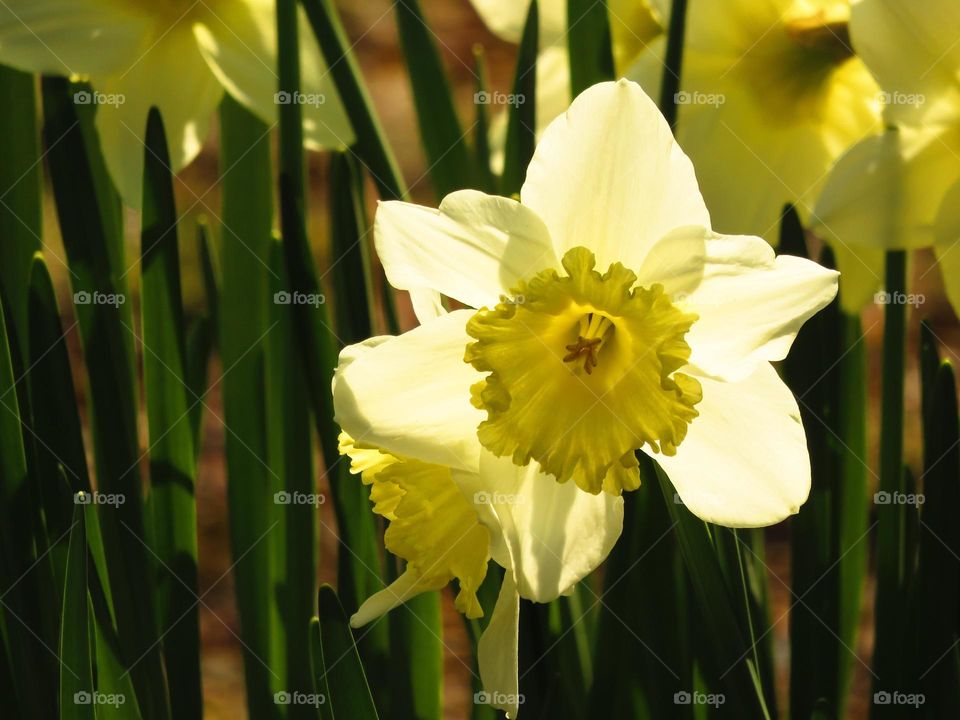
<point x="594" y="329"/>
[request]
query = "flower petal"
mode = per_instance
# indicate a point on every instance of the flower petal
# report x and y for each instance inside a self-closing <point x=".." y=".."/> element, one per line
<point x="395" y="594"/>
<point x="474" y="248"/>
<point x="410" y="395"/>
<point x="609" y="176"/>
<point x="676" y="261"/>
<point x="555" y="533"/>
<point x="744" y="462"/>
<point x="71" y="37"/>
<point x="498" y="652"/>
<point x="751" y="305"/>
<point x="240" y="44"/>
<point x="173" y="77"/>
<point x="885" y="192"/>
<point x="506" y="18"/>
<point x="912" y="49"/>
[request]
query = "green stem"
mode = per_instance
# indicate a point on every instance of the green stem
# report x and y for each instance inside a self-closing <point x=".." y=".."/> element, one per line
<point x="673" y="62"/>
<point x="890" y="533"/>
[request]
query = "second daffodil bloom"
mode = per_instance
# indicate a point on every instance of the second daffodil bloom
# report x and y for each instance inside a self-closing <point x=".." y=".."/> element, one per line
<point x="606" y="318"/>
<point x="178" y="55"/>
<point x="900" y="189"/>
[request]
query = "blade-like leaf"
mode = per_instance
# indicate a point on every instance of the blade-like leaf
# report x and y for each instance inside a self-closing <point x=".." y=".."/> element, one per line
<point x="76" y="649"/>
<point x="449" y="158"/>
<point x="349" y="696"/>
<point x="173" y="471"/>
<point x="591" y="50"/>
<point x="522" y="113"/>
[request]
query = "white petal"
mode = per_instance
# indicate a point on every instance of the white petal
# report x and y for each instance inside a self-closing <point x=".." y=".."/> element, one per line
<point x="676" y="261"/>
<point x="240" y="44"/>
<point x="912" y="49"/>
<point x="410" y="395"/>
<point x="861" y="275"/>
<point x="382" y="602"/>
<point x="506" y="18"/>
<point x="172" y="76"/>
<point x="885" y="192"/>
<point x="72" y="37"/>
<point x="751" y="305"/>
<point x="498" y="652"/>
<point x="474" y="248"/>
<point x="744" y="462"/>
<point x="556" y="534"/>
<point x="609" y="176"/>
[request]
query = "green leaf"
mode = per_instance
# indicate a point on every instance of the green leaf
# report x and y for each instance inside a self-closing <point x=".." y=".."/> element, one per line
<point x="416" y="632"/>
<point x="91" y="224"/>
<point x="244" y="327"/>
<point x="173" y="471"/>
<point x="76" y="650"/>
<point x="316" y="668"/>
<point x="295" y="500"/>
<point x="449" y="158"/>
<point x="21" y="220"/>
<point x="349" y="696"/>
<point x="522" y="113"/>
<point x="481" y="134"/>
<point x="588" y="39"/>
<point x="731" y="659"/>
<point x="372" y="146"/>
<point x="673" y="62"/>
<point x="938" y="584"/>
<point x="33" y="667"/>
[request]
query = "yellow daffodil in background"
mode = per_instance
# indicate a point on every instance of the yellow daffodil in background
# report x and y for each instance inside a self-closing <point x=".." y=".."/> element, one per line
<point x="608" y="318"/>
<point x="900" y="189"/>
<point x="177" y="55"/>
<point x="768" y="89"/>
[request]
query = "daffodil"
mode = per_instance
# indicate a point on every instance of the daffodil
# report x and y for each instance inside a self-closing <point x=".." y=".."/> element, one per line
<point x="606" y="317"/>
<point x="178" y="55"/>
<point x="771" y="89"/>
<point x="900" y="189"/>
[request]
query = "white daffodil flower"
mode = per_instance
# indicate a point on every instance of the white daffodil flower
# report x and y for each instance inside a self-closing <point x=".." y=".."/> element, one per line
<point x="901" y="189"/>
<point x="769" y="88"/>
<point x="609" y="318"/>
<point x="177" y="55"/>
